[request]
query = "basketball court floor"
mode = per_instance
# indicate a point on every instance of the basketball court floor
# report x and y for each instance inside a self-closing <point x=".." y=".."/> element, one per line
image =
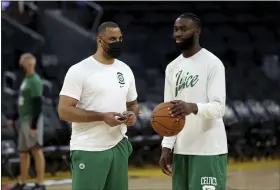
<point x="252" y="180"/>
<point x="263" y="175"/>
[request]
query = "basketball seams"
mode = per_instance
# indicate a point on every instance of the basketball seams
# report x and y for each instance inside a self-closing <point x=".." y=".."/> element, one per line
<point x="165" y="127"/>
<point x="174" y="123"/>
<point x="163" y="123"/>
<point x="178" y="123"/>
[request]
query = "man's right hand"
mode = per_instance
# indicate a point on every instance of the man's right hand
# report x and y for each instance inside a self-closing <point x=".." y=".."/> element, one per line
<point x="165" y="161"/>
<point x="110" y="119"/>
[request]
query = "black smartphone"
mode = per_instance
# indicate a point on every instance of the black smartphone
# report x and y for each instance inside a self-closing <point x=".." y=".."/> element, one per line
<point x="122" y="118"/>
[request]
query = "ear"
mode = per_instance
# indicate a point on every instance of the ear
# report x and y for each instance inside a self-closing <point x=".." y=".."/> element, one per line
<point x="198" y="31"/>
<point x="98" y="40"/>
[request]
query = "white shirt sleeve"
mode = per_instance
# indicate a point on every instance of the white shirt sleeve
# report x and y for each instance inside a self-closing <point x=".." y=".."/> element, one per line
<point x="168" y="142"/>
<point x="168" y="91"/>
<point x="73" y="84"/>
<point x="132" y="92"/>
<point x="216" y="92"/>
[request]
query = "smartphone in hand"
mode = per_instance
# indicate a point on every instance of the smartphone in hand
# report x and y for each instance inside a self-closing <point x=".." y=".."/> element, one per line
<point x="123" y="118"/>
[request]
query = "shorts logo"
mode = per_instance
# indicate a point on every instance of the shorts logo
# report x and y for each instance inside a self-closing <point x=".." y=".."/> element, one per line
<point x="208" y="187"/>
<point x="121" y="79"/>
<point x="82" y="166"/>
<point x="208" y="183"/>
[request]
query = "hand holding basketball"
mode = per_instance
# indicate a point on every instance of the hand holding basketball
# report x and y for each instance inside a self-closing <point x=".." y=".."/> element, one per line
<point x="182" y="109"/>
<point x="163" y="123"/>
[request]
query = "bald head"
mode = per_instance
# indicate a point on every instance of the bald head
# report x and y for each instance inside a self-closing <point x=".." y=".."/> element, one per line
<point x="28" y="62"/>
<point x="27" y="59"/>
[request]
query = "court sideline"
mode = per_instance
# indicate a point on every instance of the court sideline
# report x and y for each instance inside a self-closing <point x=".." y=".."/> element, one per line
<point x="264" y="175"/>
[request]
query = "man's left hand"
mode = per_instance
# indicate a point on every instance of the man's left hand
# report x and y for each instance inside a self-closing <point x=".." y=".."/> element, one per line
<point x="131" y="118"/>
<point x="181" y="108"/>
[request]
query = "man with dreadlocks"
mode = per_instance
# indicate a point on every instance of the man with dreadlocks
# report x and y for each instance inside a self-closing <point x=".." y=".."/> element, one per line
<point x="195" y="85"/>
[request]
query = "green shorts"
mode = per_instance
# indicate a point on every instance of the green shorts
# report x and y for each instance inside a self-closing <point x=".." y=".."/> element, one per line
<point x="104" y="170"/>
<point x="199" y="172"/>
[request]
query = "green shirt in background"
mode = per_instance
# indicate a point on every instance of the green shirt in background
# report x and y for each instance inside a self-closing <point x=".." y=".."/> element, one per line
<point x="30" y="87"/>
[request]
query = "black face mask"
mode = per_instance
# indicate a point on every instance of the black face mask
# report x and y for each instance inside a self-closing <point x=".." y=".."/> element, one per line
<point x="186" y="44"/>
<point x="114" y="49"/>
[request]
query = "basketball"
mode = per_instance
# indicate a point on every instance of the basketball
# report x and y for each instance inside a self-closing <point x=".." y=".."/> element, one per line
<point x="163" y="123"/>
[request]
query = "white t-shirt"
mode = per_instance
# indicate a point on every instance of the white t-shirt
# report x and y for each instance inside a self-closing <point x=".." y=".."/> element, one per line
<point x="198" y="79"/>
<point x="101" y="88"/>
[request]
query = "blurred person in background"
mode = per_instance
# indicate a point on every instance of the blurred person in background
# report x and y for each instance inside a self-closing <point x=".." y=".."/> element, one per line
<point x="31" y="123"/>
<point x="195" y="84"/>
<point x="99" y="97"/>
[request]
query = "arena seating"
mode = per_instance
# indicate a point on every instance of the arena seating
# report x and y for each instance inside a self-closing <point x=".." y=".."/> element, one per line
<point x="241" y="36"/>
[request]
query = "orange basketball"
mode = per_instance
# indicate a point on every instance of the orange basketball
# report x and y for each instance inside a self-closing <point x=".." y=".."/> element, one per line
<point x="163" y="123"/>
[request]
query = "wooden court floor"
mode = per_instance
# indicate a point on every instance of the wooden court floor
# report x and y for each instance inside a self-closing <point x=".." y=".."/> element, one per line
<point x="263" y="175"/>
<point x="252" y="180"/>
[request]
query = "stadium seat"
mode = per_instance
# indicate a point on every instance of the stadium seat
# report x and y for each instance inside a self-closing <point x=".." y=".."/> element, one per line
<point x="245" y="18"/>
<point x="212" y="18"/>
<point x="9" y="158"/>
<point x="10" y="80"/>
<point x="47" y="92"/>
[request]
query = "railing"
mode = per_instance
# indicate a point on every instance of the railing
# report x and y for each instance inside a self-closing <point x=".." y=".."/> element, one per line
<point x="69" y="23"/>
<point x="21" y="35"/>
<point x="23" y="28"/>
<point x="67" y="8"/>
<point x="64" y="35"/>
<point x="99" y="11"/>
<point x="60" y="18"/>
